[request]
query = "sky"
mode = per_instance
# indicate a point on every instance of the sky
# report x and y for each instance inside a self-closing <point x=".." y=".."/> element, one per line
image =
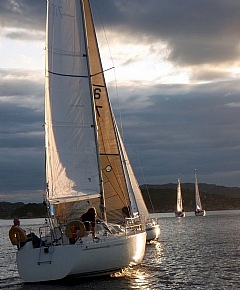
<point x="174" y="88"/>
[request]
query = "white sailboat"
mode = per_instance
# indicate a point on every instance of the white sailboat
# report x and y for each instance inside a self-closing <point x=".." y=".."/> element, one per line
<point x="199" y="211"/>
<point x="86" y="162"/>
<point x="138" y="203"/>
<point x="180" y="211"/>
<point x="152" y="229"/>
<point x="152" y="226"/>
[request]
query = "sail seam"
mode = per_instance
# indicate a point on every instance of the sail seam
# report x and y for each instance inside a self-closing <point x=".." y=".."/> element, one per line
<point x="66" y="75"/>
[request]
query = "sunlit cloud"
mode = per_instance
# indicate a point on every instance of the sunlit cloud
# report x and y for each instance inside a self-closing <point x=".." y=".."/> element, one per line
<point x="233" y="105"/>
<point x="23" y="34"/>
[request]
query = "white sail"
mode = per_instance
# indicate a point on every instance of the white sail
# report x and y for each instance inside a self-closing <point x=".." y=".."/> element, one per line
<point x="71" y="153"/>
<point x="137" y="202"/>
<point x="199" y="211"/>
<point x="197" y="195"/>
<point x="179" y="197"/>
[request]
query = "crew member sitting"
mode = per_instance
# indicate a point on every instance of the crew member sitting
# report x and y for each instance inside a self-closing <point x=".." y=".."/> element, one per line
<point x="89" y="220"/>
<point x="36" y="241"/>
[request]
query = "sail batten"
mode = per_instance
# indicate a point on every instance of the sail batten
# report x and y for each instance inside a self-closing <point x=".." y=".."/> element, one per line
<point x="68" y="75"/>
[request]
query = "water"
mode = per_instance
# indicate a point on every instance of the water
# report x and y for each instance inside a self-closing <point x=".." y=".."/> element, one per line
<point x="192" y="253"/>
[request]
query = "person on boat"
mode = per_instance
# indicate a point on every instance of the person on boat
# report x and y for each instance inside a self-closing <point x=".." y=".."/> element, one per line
<point x="126" y="212"/>
<point x="36" y="241"/>
<point x="89" y="220"/>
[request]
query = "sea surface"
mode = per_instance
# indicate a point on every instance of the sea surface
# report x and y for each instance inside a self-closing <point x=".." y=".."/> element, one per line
<point x="192" y="253"/>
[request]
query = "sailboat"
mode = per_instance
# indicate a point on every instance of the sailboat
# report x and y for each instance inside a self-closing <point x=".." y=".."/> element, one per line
<point x="152" y="226"/>
<point x="198" y="210"/>
<point x="138" y="203"/>
<point x="85" y="162"/>
<point x="180" y="211"/>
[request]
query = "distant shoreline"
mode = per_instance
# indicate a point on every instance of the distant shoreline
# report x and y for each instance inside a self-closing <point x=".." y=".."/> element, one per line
<point x="158" y="199"/>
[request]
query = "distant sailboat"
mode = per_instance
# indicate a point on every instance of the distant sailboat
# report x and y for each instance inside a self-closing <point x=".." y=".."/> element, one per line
<point x="198" y="210"/>
<point x="180" y="211"/>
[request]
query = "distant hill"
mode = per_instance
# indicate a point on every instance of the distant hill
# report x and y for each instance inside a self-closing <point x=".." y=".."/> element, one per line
<point x="21" y="210"/>
<point x="158" y="198"/>
<point x="213" y="197"/>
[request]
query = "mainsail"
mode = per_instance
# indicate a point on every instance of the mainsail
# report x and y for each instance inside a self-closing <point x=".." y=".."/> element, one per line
<point x="71" y="152"/>
<point x="179" y="197"/>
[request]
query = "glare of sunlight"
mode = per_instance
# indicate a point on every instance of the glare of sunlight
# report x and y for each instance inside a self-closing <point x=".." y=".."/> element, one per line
<point x="21" y="53"/>
<point x="140" y="63"/>
<point x="138" y="279"/>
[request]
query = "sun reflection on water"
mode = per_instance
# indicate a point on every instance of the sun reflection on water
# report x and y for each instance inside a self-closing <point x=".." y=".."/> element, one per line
<point x="144" y="276"/>
<point x="137" y="278"/>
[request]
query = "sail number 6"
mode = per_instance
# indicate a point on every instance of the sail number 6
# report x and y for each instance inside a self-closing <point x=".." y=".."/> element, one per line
<point x="97" y="96"/>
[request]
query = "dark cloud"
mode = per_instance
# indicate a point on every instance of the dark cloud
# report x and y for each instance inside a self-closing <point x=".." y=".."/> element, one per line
<point x="203" y="74"/>
<point x="197" y="32"/>
<point x="182" y="128"/>
<point x="21" y="133"/>
<point x="23" y="14"/>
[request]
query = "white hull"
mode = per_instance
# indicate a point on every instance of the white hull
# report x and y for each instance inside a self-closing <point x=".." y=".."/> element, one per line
<point x="152" y="230"/>
<point x="84" y="258"/>
<point x="180" y="214"/>
<point x="200" y="213"/>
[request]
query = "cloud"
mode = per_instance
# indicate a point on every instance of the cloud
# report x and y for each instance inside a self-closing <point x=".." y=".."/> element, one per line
<point x="24" y="14"/>
<point x="178" y="91"/>
<point x="233" y="105"/>
<point x="24" y="35"/>
<point x="21" y="87"/>
<point x="21" y="131"/>
<point x="196" y="32"/>
<point x="178" y="130"/>
<point x="202" y="74"/>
